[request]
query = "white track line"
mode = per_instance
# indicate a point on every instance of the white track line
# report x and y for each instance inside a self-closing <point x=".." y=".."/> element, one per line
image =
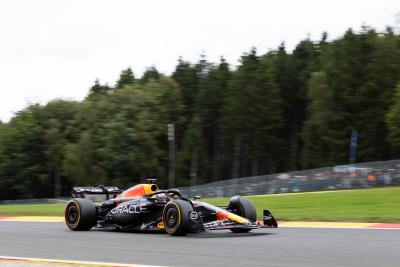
<point x="84" y="263"/>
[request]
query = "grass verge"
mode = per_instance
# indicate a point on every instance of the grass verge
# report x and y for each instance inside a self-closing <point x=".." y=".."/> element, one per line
<point x="51" y="209"/>
<point x="371" y="205"/>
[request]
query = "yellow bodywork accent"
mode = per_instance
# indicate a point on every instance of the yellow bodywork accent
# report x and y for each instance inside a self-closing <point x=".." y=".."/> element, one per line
<point x="160" y="225"/>
<point x="147" y="188"/>
<point x="236" y="218"/>
<point x="232" y="216"/>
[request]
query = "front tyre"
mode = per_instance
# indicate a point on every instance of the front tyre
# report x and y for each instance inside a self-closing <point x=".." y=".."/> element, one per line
<point x="80" y="214"/>
<point x="244" y="208"/>
<point x="176" y="217"/>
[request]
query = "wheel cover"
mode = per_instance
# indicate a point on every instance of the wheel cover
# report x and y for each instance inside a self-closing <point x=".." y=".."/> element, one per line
<point x="171" y="218"/>
<point x="72" y="215"/>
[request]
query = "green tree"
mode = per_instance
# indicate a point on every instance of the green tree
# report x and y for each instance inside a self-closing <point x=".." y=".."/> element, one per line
<point x="23" y="169"/>
<point x="186" y="76"/>
<point x="374" y="96"/>
<point x="276" y="112"/>
<point x="304" y="61"/>
<point x="392" y="120"/>
<point x="98" y="89"/>
<point x="285" y="76"/>
<point x="362" y="70"/>
<point x="318" y="135"/>
<point x="209" y="102"/>
<point x="150" y="74"/>
<point x="125" y="78"/>
<point x="81" y="164"/>
<point x="253" y="117"/>
<point x="191" y="159"/>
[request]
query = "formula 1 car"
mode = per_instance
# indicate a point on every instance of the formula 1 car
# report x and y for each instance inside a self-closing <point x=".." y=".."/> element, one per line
<point x="146" y="207"/>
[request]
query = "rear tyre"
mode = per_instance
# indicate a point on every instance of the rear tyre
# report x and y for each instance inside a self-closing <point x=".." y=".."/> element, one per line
<point x="80" y="214"/>
<point x="175" y="217"/>
<point x="244" y="208"/>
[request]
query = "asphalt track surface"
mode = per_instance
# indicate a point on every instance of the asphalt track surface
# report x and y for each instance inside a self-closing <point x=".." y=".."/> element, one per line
<point x="272" y="247"/>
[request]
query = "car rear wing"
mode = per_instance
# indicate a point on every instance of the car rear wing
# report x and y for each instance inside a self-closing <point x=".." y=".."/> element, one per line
<point x="81" y="192"/>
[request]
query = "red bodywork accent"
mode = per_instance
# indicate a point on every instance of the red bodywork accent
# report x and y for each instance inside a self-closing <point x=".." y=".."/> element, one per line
<point x="135" y="191"/>
<point x="221" y="216"/>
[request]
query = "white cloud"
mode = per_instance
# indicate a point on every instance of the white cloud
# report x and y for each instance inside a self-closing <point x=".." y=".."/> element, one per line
<point x="51" y="49"/>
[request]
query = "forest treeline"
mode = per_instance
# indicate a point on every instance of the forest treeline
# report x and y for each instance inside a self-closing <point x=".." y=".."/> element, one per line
<point x="275" y="112"/>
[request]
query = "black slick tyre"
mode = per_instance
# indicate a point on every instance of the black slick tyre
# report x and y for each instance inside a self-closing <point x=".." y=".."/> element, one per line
<point x="244" y="208"/>
<point x="80" y="214"/>
<point x="175" y="217"/>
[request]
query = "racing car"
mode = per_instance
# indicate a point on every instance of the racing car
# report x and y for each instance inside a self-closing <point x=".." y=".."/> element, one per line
<point x="146" y="207"/>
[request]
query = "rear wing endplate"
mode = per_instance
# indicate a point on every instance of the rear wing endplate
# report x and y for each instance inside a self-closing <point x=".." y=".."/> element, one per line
<point x="269" y="219"/>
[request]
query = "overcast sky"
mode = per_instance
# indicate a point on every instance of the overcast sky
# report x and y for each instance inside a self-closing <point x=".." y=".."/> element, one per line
<point x="57" y="48"/>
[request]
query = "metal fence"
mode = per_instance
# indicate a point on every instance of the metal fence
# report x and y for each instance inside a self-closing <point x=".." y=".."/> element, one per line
<point x="362" y="175"/>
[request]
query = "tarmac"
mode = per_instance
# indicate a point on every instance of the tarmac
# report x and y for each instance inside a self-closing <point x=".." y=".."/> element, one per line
<point x="293" y="244"/>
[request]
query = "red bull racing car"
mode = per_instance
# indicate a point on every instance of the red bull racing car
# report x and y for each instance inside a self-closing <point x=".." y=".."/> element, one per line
<point x="146" y="207"/>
